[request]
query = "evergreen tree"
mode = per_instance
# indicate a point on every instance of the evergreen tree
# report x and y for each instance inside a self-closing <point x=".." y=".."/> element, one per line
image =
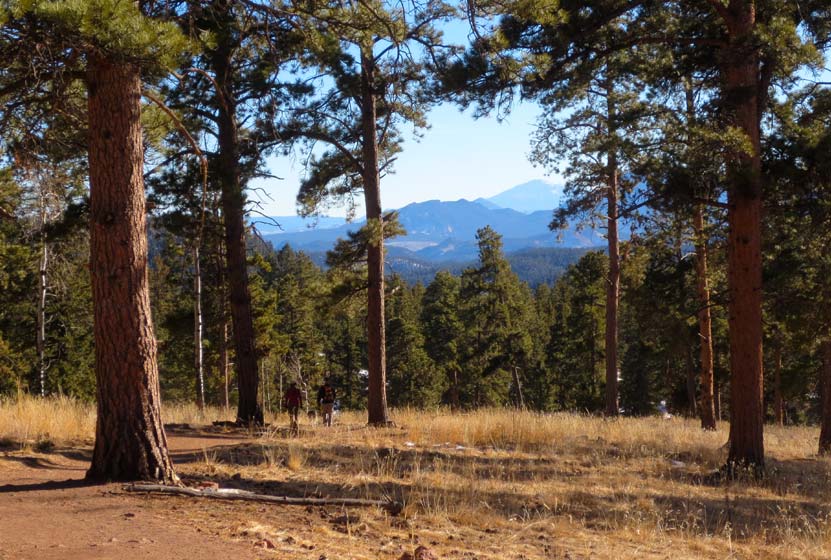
<point x="575" y="349"/>
<point x="232" y="95"/>
<point x="373" y="52"/>
<point x="443" y="331"/>
<point x="495" y="313"/>
<point x="537" y="48"/>
<point x="299" y="285"/>
<point x="114" y="40"/>
<point x="414" y="380"/>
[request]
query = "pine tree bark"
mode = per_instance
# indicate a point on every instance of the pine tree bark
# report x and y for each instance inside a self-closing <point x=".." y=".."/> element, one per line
<point x="233" y="211"/>
<point x="376" y="336"/>
<point x="130" y="442"/>
<point x="825" y="428"/>
<point x="705" y="328"/>
<point x="743" y="96"/>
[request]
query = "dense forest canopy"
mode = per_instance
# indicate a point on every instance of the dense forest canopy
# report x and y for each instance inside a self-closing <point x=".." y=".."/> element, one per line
<point x="700" y="128"/>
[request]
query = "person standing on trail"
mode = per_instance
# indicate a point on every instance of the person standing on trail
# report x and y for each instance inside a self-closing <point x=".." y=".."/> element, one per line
<point x="326" y="401"/>
<point x="292" y="401"/>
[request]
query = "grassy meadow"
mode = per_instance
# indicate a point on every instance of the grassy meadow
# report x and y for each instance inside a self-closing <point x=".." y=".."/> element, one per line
<point x="565" y="484"/>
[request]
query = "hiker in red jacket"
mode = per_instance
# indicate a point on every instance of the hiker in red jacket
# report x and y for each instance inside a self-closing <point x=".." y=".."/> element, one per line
<point x="292" y="401"/>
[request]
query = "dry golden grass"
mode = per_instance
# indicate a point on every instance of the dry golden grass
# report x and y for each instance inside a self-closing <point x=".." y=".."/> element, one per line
<point x="502" y="483"/>
<point x="31" y="421"/>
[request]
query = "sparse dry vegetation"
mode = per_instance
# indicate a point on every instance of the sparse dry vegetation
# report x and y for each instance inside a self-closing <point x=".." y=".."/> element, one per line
<point x="499" y="480"/>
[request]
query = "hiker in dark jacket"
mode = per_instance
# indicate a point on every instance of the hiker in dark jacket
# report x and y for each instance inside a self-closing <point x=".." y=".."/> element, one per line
<point x="326" y="401"/>
<point x="292" y="400"/>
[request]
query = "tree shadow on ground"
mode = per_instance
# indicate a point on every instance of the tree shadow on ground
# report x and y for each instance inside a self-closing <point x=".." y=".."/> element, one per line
<point x="808" y="477"/>
<point x="48" y="485"/>
<point x="43" y="462"/>
<point x="703" y="505"/>
<point x="398" y="463"/>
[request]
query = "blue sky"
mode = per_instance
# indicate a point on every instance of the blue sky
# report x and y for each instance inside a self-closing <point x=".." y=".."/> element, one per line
<point x="458" y="157"/>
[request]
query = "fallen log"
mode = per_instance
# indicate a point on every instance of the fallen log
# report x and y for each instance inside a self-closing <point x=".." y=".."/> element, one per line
<point x="233" y="494"/>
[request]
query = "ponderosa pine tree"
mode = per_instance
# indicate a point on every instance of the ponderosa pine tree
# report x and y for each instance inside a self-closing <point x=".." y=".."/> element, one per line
<point x="495" y="311"/>
<point x="114" y="39"/>
<point x="575" y="348"/>
<point x="798" y="306"/>
<point x="232" y="95"/>
<point x="689" y="183"/>
<point x="414" y="379"/>
<point x="537" y="45"/>
<point x="375" y="53"/>
<point x="596" y="138"/>
<point x="299" y="285"/>
<point x="443" y="330"/>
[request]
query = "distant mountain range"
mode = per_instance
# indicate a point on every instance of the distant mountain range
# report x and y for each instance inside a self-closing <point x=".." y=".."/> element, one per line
<point x="439" y="231"/>
<point x="442" y="235"/>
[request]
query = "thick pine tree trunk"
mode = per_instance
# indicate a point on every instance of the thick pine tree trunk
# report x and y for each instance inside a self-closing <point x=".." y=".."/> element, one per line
<point x="741" y="66"/>
<point x="612" y="292"/>
<point x="376" y="337"/>
<point x="130" y="442"/>
<point x="705" y="329"/>
<point x="233" y="211"/>
<point x="825" y="429"/>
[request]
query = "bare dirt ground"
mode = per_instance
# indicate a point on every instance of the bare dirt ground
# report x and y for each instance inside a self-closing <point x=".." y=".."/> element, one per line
<point x="47" y="511"/>
<point x="588" y="497"/>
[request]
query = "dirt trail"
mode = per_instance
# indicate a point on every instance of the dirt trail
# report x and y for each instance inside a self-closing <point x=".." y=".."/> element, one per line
<point x="48" y="512"/>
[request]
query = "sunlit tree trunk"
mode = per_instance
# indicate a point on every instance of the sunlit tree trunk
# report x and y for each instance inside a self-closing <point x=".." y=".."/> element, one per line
<point x="130" y="442"/>
<point x="222" y="345"/>
<point x="742" y="96"/>
<point x="705" y="329"/>
<point x="376" y="337"/>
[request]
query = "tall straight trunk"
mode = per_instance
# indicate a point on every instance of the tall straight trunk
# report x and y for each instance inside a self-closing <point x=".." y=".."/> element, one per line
<point x="233" y="211"/>
<point x="613" y="282"/>
<point x="705" y="328"/>
<point x="197" y="329"/>
<point x="43" y="266"/>
<point x="130" y="442"/>
<point x="778" y="402"/>
<point x="376" y="337"/>
<point x="744" y="91"/>
<point x="224" y="366"/>
<point x="825" y="383"/>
